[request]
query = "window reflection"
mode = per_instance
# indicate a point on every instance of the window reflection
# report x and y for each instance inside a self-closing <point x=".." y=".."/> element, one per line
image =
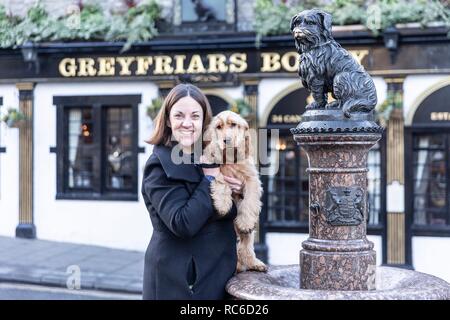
<point x="81" y="148"/>
<point x="119" y="152"/>
<point x="430" y="180"/>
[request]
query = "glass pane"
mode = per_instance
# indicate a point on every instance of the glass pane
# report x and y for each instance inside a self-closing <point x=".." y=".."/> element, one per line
<point x="203" y="10"/>
<point x="374" y="185"/>
<point x="80" y="148"/>
<point x="119" y="149"/>
<point x="286" y="202"/>
<point x="430" y="180"/>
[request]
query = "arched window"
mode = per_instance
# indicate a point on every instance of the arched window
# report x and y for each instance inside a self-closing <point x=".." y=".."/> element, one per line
<point x="429" y="174"/>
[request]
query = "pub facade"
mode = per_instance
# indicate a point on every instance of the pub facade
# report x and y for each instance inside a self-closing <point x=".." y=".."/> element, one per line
<point x="71" y="171"/>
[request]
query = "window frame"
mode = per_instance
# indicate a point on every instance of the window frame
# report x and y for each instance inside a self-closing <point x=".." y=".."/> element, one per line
<point x="98" y="103"/>
<point x="412" y="228"/>
<point x="224" y="26"/>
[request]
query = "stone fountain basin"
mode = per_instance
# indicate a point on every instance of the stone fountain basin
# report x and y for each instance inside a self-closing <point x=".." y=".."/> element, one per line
<point x="282" y="283"/>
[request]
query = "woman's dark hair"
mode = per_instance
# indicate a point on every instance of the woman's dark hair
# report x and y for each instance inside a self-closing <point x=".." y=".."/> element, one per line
<point x="162" y="133"/>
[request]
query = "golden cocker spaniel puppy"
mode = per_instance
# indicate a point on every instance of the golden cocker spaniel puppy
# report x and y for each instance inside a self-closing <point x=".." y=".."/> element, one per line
<point x="229" y="144"/>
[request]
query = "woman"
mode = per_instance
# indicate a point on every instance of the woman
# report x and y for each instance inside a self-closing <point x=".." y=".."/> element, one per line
<point x="192" y="252"/>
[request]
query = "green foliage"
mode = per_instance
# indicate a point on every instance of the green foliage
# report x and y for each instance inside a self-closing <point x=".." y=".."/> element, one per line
<point x="393" y="101"/>
<point x="273" y="19"/>
<point x="137" y="25"/>
<point x="89" y="24"/>
<point x="13" y="117"/>
<point x="241" y="107"/>
<point x="153" y="109"/>
<point x="346" y="12"/>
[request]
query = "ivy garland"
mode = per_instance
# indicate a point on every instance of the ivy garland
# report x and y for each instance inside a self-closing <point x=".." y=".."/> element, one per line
<point x="88" y="23"/>
<point x="271" y="18"/>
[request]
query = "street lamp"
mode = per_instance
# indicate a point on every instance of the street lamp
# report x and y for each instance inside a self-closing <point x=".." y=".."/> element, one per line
<point x="391" y="37"/>
<point x="30" y="55"/>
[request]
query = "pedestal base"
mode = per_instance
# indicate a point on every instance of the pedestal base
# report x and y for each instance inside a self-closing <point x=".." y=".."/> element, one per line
<point x="337" y="270"/>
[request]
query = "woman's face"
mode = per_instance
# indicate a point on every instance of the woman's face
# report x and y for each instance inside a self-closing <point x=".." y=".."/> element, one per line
<point x="186" y="121"/>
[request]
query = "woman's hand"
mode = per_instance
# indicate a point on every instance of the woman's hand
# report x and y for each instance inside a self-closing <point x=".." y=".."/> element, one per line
<point x="236" y="185"/>
<point x="209" y="171"/>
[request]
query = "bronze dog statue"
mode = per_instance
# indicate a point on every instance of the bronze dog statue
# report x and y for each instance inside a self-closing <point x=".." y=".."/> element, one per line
<point x="326" y="67"/>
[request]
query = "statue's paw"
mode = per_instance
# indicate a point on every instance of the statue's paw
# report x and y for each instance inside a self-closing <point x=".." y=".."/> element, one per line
<point x="333" y="105"/>
<point x="315" y="105"/>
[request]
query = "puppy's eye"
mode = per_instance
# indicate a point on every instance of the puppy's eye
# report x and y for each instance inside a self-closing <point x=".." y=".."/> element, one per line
<point x="233" y="125"/>
<point x="309" y="22"/>
<point x="219" y="126"/>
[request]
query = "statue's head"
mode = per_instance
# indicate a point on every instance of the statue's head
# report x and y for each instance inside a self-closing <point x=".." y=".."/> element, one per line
<point x="311" y="27"/>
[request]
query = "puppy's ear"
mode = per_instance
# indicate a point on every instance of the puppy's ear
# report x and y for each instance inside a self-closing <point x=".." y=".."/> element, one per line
<point x="218" y="123"/>
<point x="326" y="22"/>
<point x="294" y="18"/>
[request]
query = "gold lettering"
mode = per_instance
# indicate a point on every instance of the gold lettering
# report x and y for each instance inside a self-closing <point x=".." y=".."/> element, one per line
<point x="179" y="63"/>
<point x="440" y="116"/>
<point x="277" y="118"/>
<point x="271" y="62"/>
<point x="67" y="67"/>
<point x="162" y="65"/>
<point x="196" y="65"/>
<point x="125" y="65"/>
<point x="359" y="54"/>
<point x="143" y="63"/>
<point x="106" y="66"/>
<point x="287" y="58"/>
<point x="217" y="63"/>
<point x="86" y="67"/>
<point x="238" y="62"/>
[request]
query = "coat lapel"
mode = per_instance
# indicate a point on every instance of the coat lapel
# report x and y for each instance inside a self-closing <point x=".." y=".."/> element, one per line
<point x="177" y="171"/>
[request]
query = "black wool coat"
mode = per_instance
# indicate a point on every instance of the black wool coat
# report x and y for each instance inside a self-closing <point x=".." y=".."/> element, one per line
<point x="192" y="252"/>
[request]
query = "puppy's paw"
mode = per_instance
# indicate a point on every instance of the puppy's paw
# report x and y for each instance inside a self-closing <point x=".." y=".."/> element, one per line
<point x="240" y="267"/>
<point x="258" y="265"/>
<point x="244" y="225"/>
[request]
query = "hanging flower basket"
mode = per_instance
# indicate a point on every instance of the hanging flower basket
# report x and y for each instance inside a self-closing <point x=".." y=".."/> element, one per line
<point x="14" y="118"/>
<point x="153" y="109"/>
<point x="241" y="107"/>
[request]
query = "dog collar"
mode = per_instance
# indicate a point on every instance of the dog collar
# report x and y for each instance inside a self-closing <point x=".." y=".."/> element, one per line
<point x="209" y="165"/>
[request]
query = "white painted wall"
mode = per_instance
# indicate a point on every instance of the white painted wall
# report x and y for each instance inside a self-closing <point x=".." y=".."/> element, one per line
<point x="432" y="255"/>
<point x="115" y="224"/>
<point x="284" y="248"/>
<point x="9" y="167"/>
<point x="268" y="89"/>
<point x="381" y="87"/>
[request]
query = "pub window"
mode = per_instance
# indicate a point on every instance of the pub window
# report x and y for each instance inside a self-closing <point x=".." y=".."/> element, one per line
<point x="97" y="147"/>
<point x="430" y="154"/>
<point x="428" y="181"/>
<point x="204" y="15"/>
<point x="287" y="188"/>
